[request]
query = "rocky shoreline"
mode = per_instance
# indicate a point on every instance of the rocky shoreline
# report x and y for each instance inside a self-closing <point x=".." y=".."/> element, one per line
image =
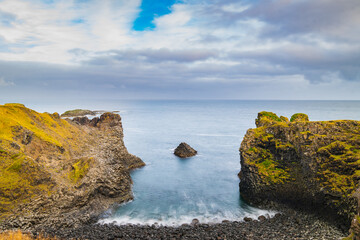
<point x="288" y="225"/>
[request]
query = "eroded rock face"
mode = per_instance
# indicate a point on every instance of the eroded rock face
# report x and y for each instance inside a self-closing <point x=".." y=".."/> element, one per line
<point x="64" y="173"/>
<point x="308" y="165"/>
<point x="184" y="151"/>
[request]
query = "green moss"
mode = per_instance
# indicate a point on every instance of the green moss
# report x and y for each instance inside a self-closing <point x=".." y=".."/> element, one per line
<point x="350" y="237"/>
<point x="252" y="149"/>
<point x="268" y="168"/>
<point x="270" y="115"/>
<point x="77" y="113"/>
<point x="299" y="117"/>
<point x="79" y="169"/>
<point x="20" y="179"/>
<point x="17" y="162"/>
<point x="284" y="119"/>
<point x="282" y="146"/>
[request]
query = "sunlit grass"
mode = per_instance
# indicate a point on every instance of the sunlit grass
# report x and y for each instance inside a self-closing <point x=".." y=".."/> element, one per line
<point x="18" y="235"/>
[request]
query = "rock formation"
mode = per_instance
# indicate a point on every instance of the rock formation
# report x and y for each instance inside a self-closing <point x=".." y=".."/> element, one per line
<point x="60" y="173"/>
<point x="311" y="165"/>
<point x="78" y="113"/>
<point x="184" y="151"/>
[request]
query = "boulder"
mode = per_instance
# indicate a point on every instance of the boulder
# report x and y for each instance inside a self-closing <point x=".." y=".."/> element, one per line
<point x="184" y="151"/>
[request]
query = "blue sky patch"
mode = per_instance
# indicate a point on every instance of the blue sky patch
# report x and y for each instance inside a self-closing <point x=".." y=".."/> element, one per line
<point x="149" y="10"/>
<point x="77" y="21"/>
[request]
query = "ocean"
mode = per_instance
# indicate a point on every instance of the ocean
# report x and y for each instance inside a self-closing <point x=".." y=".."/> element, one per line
<point x="172" y="191"/>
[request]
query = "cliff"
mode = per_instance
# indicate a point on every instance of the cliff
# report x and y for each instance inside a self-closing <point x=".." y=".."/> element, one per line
<point x="60" y="173"/>
<point x="310" y="165"/>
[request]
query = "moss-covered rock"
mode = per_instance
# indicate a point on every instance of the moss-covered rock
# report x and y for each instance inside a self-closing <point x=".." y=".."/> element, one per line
<point x="299" y="117"/>
<point x="268" y="118"/>
<point x="78" y="113"/>
<point x="308" y="165"/>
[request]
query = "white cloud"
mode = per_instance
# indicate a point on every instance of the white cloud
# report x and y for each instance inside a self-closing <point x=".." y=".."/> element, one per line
<point x="4" y="83"/>
<point x="199" y="42"/>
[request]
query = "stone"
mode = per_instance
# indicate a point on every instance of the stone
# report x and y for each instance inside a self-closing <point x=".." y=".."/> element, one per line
<point x="184" y="151"/>
<point x="247" y="219"/>
<point x="195" y="222"/>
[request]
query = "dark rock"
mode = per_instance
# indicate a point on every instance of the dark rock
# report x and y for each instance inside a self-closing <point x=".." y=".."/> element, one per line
<point x="94" y="121"/>
<point x="194" y="222"/>
<point x="27" y="137"/>
<point x="55" y="115"/>
<point x="184" y="151"/>
<point x="81" y="120"/>
<point x="15" y="145"/>
<point x="247" y="219"/>
<point x="261" y="218"/>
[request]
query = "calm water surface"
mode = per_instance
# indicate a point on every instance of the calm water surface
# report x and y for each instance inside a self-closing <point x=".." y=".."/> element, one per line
<point x="172" y="191"/>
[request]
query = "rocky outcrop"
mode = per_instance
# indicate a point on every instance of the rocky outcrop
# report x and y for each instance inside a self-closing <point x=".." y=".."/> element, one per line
<point x="60" y="173"/>
<point x="78" y="113"/>
<point x="184" y="151"/>
<point x="310" y="165"/>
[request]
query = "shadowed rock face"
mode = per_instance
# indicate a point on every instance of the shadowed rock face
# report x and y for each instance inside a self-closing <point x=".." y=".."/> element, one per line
<point x="60" y="173"/>
<point x="308" y="165"/>
<point x="184" y="151"/>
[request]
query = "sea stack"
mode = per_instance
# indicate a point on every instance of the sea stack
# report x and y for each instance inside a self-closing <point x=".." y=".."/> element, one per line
<point x="184" y="151"/>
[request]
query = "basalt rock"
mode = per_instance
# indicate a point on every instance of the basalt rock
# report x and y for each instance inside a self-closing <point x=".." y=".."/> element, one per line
<point x="309" y="165"/>
<point x="184" y="151"/>
<point x="62" y="173"/>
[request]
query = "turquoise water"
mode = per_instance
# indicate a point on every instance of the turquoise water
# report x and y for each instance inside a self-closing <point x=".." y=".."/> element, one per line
<point x="172" y="191"/>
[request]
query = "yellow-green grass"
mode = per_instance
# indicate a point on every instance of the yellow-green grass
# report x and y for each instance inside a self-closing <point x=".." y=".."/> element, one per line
<point x="43" y="125"/>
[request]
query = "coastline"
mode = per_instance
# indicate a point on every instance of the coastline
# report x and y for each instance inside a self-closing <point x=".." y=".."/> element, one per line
<point x="290" y="224"/>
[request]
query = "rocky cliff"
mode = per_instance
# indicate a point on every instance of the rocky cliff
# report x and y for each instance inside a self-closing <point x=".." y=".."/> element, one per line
<point x="60" y="173"/>
<point x="311" y="165"/>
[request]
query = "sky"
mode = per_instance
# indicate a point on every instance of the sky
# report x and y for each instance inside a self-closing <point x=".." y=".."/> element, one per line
<point x="75" y="50"/>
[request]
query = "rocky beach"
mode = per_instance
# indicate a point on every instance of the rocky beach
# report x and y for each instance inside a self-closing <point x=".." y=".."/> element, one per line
<point x="288" y="225"/>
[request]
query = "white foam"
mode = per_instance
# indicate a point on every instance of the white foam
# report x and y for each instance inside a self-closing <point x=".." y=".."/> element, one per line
<point x="185" y="219"/>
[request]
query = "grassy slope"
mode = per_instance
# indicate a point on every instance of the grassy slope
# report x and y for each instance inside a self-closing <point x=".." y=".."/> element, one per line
<point x="23" y="171"/>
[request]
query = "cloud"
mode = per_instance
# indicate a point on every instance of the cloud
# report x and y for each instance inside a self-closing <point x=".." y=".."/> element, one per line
<point x="201" y="49"/>
<point x="7" y="18"/>
<point x="4" y="83"/>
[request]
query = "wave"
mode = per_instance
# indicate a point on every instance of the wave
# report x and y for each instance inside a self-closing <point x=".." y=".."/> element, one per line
<point x="185" y="219"/>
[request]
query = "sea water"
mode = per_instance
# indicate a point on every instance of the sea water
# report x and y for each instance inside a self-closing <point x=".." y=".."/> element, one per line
<point x="172" y="191"/>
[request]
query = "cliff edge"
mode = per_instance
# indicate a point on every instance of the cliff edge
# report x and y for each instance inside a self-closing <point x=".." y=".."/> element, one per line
<point x="60" y="173"/>
<point x="310" y="165"/>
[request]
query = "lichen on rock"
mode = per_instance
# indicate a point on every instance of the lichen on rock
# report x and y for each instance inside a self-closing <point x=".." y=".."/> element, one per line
<point x="308" y="165"/>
